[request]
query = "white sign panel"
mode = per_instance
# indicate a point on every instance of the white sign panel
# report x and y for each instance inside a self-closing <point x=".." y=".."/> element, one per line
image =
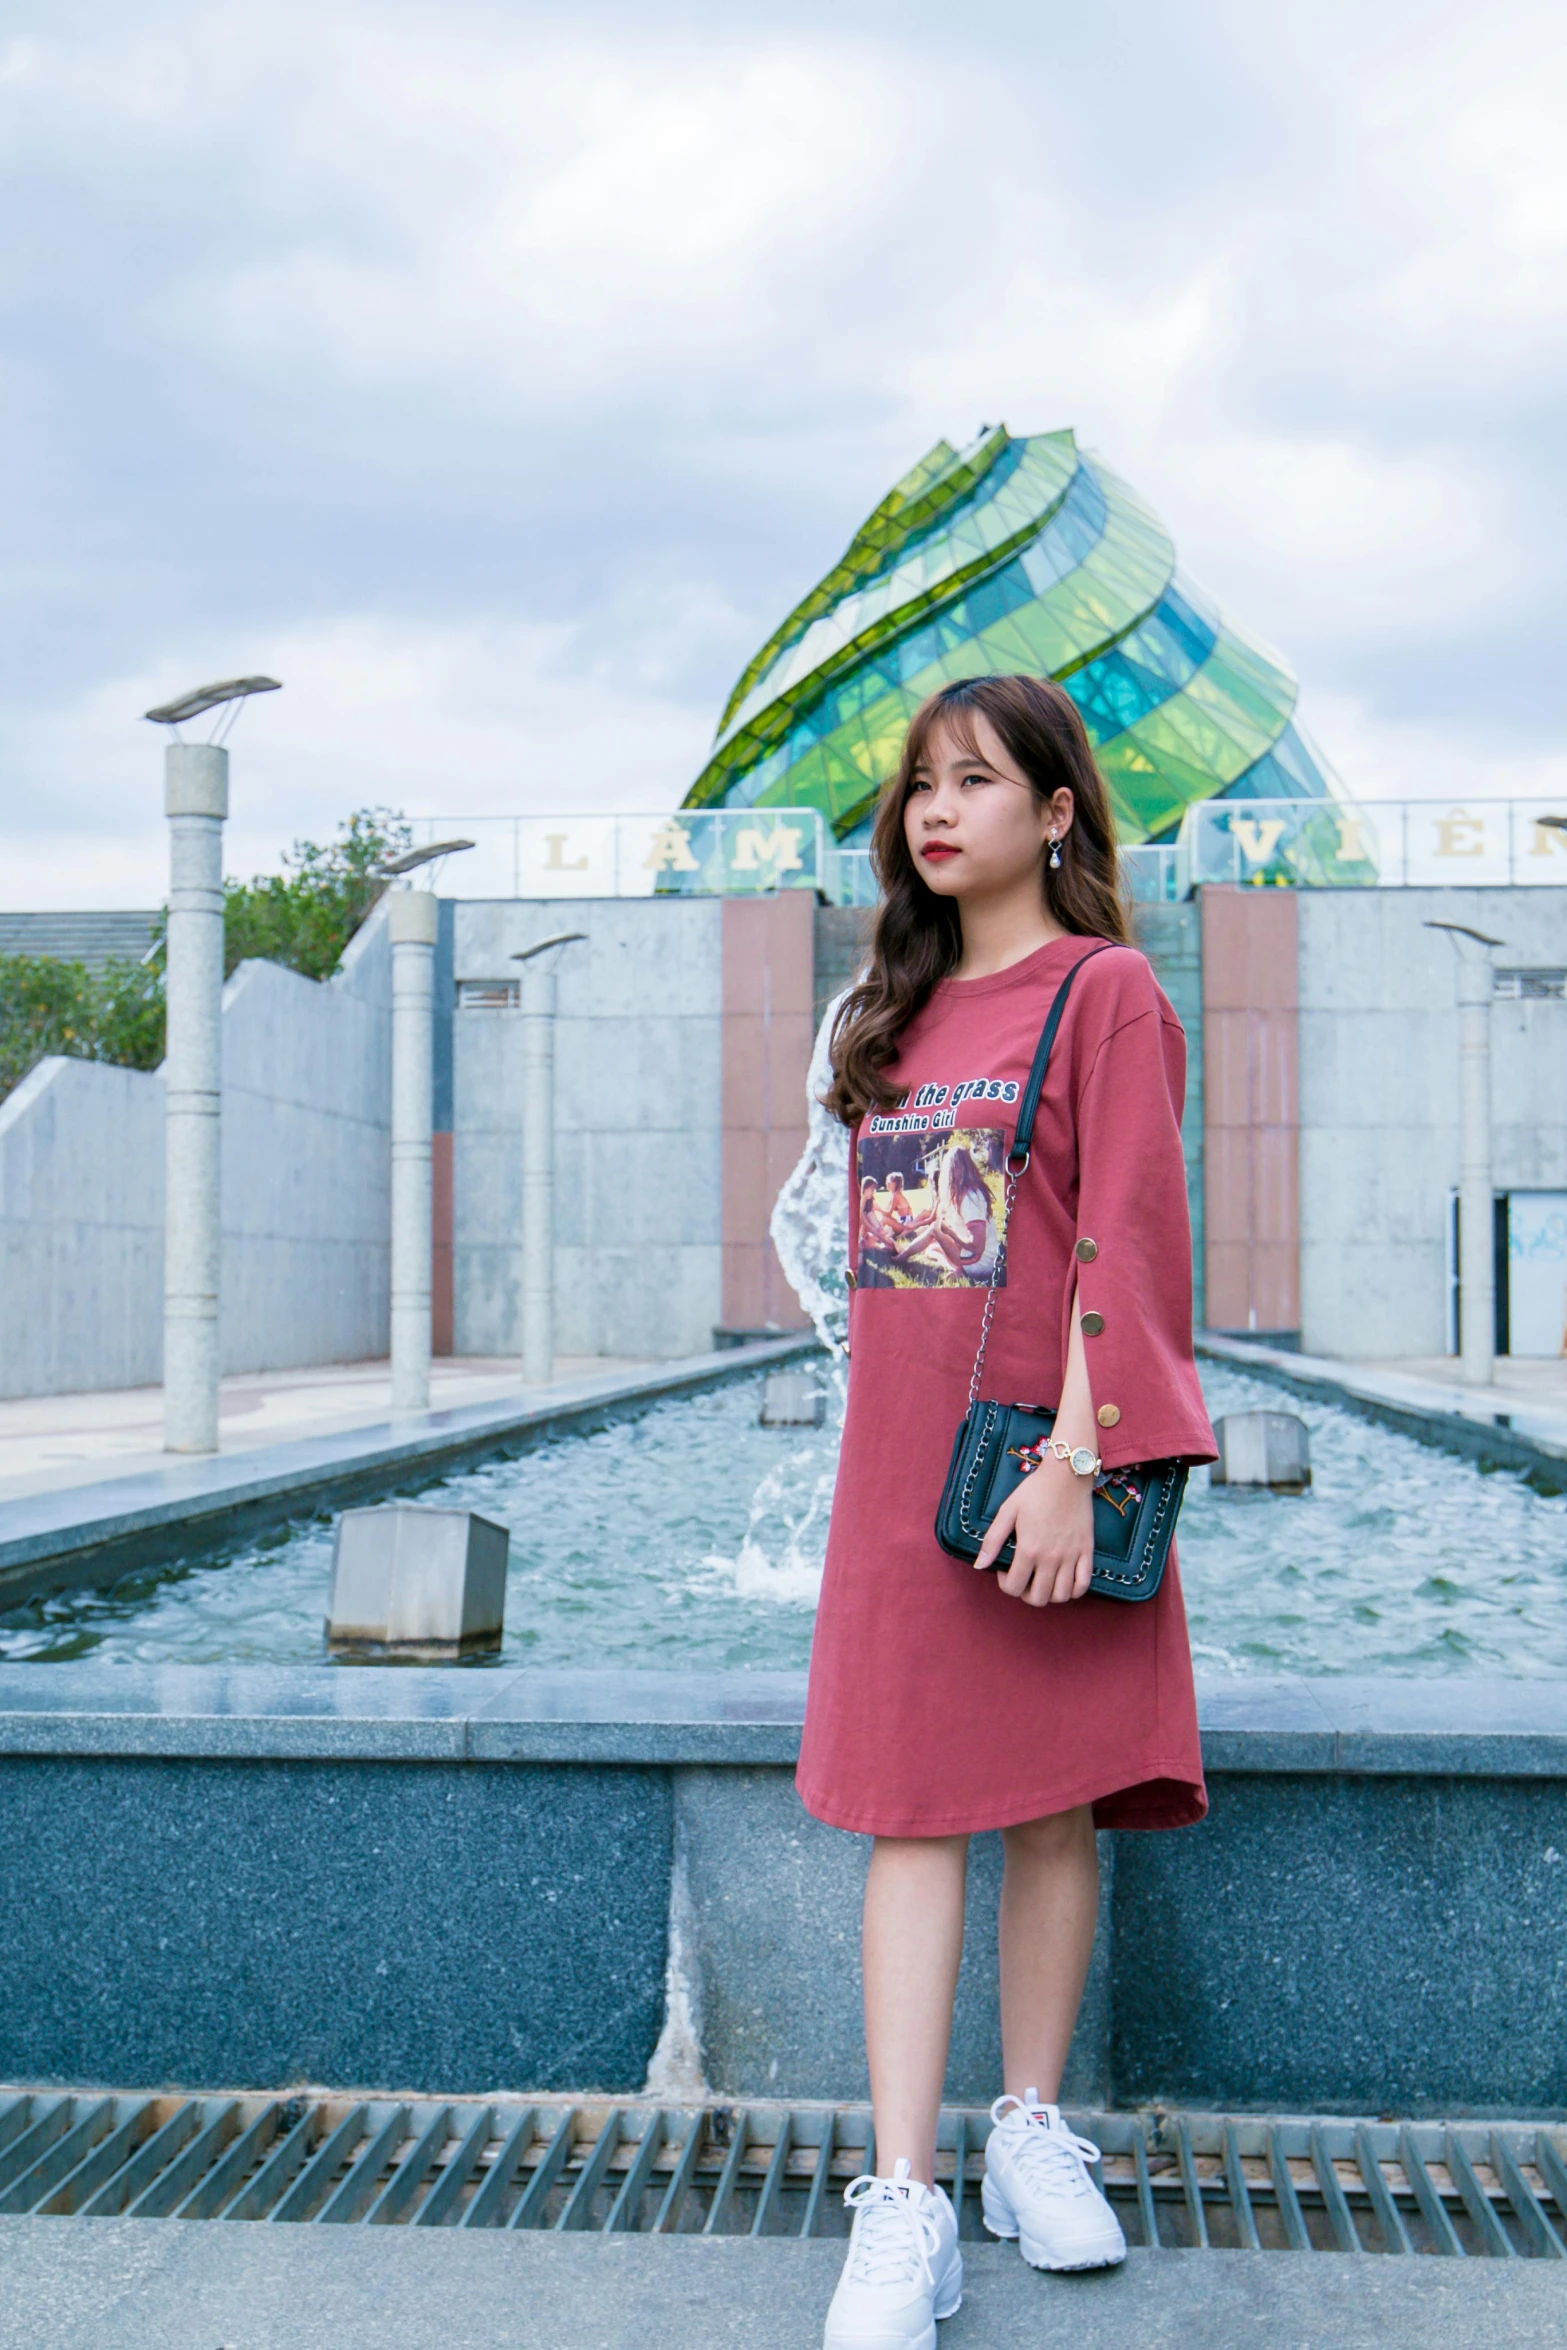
<point x="1537" y="1272"/>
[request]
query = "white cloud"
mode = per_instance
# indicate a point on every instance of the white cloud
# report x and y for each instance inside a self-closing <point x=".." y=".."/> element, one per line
<point x="1379" y="758"/>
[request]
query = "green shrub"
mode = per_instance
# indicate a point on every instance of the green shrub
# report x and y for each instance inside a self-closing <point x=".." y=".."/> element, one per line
<point x="305" y="916"/>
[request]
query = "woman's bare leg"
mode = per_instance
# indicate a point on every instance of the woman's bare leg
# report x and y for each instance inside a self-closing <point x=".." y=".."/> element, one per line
<point x="1049" y="1907"/>
<point x="951" y="1249"/>
<point x="912" y="1945"/>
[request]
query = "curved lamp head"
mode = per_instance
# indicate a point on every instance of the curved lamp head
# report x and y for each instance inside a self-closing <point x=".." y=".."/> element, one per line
<point x="564" y="938"/>
<point x="235" y="690"/>
<point x="1458" y="930"/>
<point x="412" y="859"/>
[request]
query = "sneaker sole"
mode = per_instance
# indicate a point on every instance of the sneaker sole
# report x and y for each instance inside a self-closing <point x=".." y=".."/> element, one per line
<point x="1038" y="2259"/>
<point x="925" y="2341"/>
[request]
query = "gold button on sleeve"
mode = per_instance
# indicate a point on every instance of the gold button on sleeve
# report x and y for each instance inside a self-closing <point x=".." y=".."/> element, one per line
<point x="1092" y="1325"/>
<point x="1087" y="1250"/>
<point x="1108" y="1414"/>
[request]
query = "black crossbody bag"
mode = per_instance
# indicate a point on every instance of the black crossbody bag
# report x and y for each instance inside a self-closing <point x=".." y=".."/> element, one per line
<point x="1135" y="1509"/>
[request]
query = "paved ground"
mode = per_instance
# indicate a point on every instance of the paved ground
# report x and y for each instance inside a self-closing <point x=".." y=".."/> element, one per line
<point x="167" y="2285"/>
<point x="49" y="1443"/>
<point x="1542" y="1378"/>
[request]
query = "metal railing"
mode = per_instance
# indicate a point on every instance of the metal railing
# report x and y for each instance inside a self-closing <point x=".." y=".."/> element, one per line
<point x="1372" y="844"/>
<point x="1194" y="2182"/>
<point x="693" y="852"/>
<point x="747" y="852"/>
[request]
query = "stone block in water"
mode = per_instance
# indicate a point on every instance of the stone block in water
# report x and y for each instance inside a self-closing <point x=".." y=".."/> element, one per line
<point x="424" y="1584"/>
<point x="793" y="1399"/>
<point x="1262" y="1448"/>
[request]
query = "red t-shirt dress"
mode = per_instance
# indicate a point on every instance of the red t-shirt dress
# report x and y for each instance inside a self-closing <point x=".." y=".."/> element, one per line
<point x="937" y="1704"/>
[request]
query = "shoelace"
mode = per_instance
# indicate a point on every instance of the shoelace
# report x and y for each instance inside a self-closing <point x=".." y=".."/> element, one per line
<point x="894" y="2243"/>
<point x="1042" y="2149"/>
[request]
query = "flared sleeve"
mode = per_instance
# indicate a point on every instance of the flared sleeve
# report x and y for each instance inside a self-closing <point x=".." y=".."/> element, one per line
<point x="1133" y="1250"/>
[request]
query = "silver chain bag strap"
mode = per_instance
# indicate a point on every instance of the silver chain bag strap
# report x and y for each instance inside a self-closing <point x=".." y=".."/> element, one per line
<point x="998" y="1444"/>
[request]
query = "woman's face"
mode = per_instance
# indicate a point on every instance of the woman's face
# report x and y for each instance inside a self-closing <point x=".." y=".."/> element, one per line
<point x="973" y="825"/>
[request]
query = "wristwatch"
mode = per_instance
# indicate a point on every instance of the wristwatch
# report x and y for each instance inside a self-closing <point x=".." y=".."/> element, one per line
<point x="1081" y="1459"/>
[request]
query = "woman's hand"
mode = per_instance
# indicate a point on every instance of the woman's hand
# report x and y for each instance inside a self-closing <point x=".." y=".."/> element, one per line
<point x="1050" y="1516"/>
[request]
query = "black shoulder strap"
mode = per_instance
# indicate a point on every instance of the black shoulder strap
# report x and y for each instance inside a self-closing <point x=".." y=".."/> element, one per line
<point x="1017" y="1156"/>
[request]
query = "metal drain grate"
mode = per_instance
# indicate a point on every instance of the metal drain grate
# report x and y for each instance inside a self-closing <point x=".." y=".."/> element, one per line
<point x="1193" y="2181"/>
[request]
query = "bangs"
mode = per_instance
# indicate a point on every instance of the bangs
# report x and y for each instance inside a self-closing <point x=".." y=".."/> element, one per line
<point x="954" y="719"/>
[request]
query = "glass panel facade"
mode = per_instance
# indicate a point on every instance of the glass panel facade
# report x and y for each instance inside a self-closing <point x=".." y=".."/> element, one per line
<point x="1015" y="554"/>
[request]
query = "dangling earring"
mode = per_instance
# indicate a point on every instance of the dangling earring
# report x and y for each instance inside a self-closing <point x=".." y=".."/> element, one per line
<point x="1055" y="854"/>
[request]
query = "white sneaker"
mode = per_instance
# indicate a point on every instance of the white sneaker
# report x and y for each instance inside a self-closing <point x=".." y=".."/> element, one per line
<point x="904" y="2268"/>
<point x="1037" y="2188"/>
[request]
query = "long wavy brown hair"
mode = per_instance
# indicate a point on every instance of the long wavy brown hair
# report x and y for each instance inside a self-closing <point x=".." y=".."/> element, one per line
<point x="918" y="938"/>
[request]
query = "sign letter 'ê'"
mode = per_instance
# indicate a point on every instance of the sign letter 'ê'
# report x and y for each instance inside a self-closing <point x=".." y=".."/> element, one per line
<point x="1460" y="835"/>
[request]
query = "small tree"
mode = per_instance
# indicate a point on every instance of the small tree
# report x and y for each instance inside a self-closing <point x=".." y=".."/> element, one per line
<point x="303" y="918"/>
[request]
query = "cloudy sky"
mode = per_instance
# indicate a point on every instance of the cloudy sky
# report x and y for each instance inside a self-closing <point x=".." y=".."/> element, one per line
<point x="496" y="375"/>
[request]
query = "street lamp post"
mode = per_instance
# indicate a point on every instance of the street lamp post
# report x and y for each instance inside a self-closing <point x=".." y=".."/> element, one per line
<point x="536" y="1007"/>
<point x="196" y="801"/>
<point x="1476" y="1209"/>
<point x="413" y="919"/>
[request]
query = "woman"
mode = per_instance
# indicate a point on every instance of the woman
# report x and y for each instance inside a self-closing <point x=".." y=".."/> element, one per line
<point x="878" y="1237"/>
<point x="965" y="1234"/>
<point x="945" y="1699"/>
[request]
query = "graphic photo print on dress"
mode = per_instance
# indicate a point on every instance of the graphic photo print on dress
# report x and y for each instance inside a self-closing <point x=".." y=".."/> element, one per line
<point x="932" y="1200"/>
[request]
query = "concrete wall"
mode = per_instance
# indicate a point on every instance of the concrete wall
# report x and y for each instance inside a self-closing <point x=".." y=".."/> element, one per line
<point x="1171" y="938"/>
<point x="768" y="1033"/>
<point x="307" y="1161"/>
<point x="682" y="1040"/>
<point x="306" y="1164"/>
<point x="638" y="1113"/>
<point x="459" y="1882"/>
<point x="1251" y="1111"/>
<point x="1379" y="1152"/>
<point x="81" y="1229"/>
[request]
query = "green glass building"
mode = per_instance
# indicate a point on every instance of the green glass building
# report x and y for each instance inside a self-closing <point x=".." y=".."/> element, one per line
<point x="1012" y="554"/>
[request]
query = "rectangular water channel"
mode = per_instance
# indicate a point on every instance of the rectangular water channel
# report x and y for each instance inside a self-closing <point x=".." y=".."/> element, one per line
<point x="692" y="1537"/>
<point x="1193" y="2182"/>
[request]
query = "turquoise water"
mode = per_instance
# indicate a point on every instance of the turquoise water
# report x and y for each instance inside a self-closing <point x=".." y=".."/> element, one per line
<point x="693" y="1536"/>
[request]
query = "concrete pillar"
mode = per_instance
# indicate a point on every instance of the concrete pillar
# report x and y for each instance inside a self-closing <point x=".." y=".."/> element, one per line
<point x="413" y="915"/>
<point x="536" y="1022"/>
<point x="1477" y="1243"/>
<point x="196" y="801"/>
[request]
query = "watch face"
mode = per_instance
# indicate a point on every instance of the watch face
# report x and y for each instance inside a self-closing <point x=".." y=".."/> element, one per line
<point x="1083" y="1462"/>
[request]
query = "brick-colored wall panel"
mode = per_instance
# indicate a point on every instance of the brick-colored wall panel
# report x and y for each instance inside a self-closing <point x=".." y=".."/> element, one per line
<point x="1229" y="1284"/>
<point x="1272" y="984"/>
<point x="1275" y="1192"/>
<point x="1275" y="1070"/>
<point x="1228" y="1180"/>
<point x="1226" y="1058"/>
